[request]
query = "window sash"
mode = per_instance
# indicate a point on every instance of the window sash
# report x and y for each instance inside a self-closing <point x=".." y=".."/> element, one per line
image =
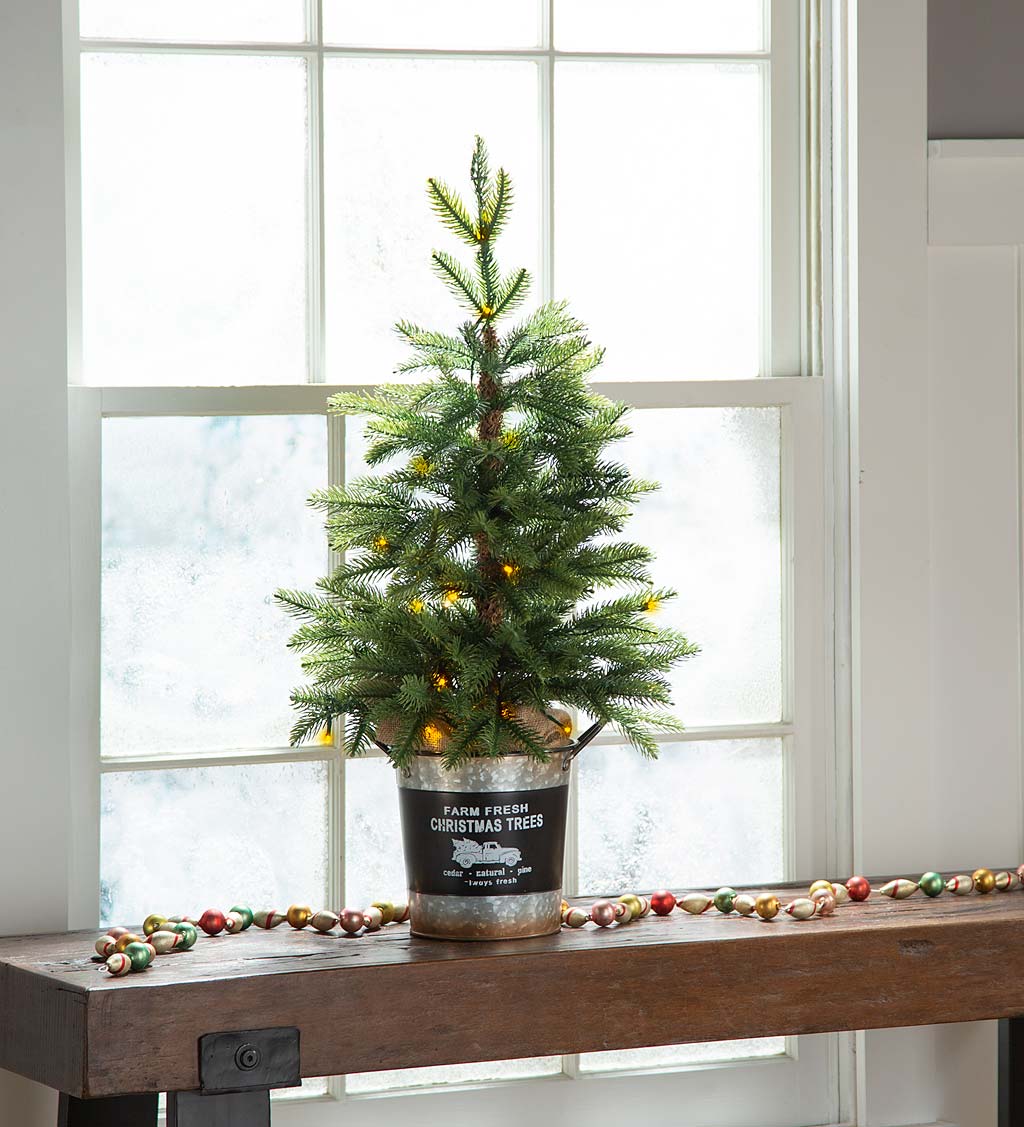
<point x="786" y="306"/>
<point x="785" y="335"/>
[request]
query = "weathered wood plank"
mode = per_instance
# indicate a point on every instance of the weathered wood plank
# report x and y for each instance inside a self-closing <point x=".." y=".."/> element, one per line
<point x="391" y="1001"/>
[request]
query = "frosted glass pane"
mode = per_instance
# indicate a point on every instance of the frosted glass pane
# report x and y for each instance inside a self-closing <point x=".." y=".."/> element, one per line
<point x="389" y="125"/>
<point x="715" y="527"/>
<point x="704" y="814"/>
<point x="679" y="1056"/>
<point x="256" y="834"/>
<point x="528" y="1067"/>
<point x="315" y="1088"/>
<point x="374" y="865"/>
<point x="659" y="215"/>
<point x="686" y="26"/>
<point x="457" y="24"/>
<point x="193" y="219"/>
<point x="202" y="520"/>
<point x="212" y="21"/>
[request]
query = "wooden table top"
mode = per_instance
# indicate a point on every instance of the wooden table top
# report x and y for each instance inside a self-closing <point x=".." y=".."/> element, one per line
<point x="389" y="1000"/>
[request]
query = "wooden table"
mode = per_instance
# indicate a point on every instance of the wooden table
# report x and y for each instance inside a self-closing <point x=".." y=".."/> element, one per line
<point x="66" y="1023"/>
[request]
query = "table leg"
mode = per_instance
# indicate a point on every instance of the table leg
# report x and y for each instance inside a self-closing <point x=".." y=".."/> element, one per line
<point x="107" y="1111"/>
<point x="1011" y="1072"/>
<point x="222" y="1109"/>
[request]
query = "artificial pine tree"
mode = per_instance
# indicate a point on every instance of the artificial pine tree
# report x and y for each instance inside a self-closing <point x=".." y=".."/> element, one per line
<point x="468" y="598"/>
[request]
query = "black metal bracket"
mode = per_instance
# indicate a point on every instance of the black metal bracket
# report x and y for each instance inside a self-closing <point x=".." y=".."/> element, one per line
<point x="1011" y="1072"/>
<point x="249" y="1059"/>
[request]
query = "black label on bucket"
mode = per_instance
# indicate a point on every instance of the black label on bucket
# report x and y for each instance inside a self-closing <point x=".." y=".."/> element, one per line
<point x="496" y="844"/>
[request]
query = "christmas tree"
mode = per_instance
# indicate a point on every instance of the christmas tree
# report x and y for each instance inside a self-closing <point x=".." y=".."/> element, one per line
<point x="474" y="593"/>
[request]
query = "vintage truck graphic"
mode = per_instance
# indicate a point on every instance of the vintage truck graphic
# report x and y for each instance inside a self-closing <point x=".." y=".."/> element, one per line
<point x="466" y="853"/>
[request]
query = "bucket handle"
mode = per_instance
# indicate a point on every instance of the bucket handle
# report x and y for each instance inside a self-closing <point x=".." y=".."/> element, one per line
<point x="567" y="758"/>
<point x="581" y="743"/>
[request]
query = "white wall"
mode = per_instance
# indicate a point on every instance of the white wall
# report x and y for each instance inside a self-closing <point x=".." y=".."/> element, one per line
<point x="934" y="364"/>
<point x="33" y="495"/>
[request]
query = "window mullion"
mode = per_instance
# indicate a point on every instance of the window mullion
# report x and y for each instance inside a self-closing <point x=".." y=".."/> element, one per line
<point x="316" y="299"/>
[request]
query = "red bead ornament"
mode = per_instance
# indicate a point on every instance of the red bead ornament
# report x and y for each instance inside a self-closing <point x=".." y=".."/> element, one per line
<point x="212" y="921"/>
<point x="859" y="888"/>
<point x="662" y="902"/>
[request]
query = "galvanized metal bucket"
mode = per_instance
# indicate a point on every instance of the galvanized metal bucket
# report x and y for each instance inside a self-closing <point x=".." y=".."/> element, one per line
<point x="484" y="843"/>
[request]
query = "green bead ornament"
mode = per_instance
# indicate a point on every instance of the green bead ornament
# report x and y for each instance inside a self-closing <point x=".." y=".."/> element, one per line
<point x="246" y="914"/>
<point x="725" y="899"/>
<point x="931" y="884"/>
<point x="140" y="954"/>
<point x="188" y="934"/>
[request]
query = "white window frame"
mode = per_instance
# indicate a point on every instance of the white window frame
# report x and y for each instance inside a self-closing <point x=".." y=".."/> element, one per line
<point x="787" y="350"/>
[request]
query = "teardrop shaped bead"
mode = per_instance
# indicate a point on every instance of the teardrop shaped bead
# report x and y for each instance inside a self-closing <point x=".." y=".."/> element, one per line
<point x="899" y="889"/>
<point x="574" y="917"/>
<point x="694" y="903"/>
<point x="840" y="892"/>
<point x="234" y="922"/>
<point x="373" y="918"/>
<point x="106" y="945"/>
<point x="165" y="941"/>
<point x="119" y="964"/>
<point x="1006" y="882"/>
<point x="744" y="904"/>
<point x="960" y="886"/>
<point x="824" y="902"/>
<point x="801" y="908"/>
<point x="401" y="913"/>
<point x="268" y="918"/>
<point x="323" y="921"/>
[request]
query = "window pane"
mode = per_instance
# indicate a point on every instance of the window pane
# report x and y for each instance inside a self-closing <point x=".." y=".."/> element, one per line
<point x="202" y="520"/>
<point x="456" y="24"/>
<point x="389" y="125"/>
<point x="193" y="219"/>
<point x="679" y="1056"/>
<point x="680" y="833"/>
<point x="374" y="864"/>
<point x="715" y="526"/>
<point x="223" y="21"/>
<point x="659" y="215"/>
<point x="684" y="26"/>
<point x="526" y="1068"/>
<point x="226" y="849"/>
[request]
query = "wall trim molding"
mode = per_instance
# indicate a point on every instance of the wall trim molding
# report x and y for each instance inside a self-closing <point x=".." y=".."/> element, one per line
<point x="975" y="191"/>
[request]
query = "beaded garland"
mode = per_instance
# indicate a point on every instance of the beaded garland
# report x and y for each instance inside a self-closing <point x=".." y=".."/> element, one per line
<point x="124" y="951"/>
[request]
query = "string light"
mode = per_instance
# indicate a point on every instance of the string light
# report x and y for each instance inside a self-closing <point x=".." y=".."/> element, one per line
<point x="511" y="571"/>
<point x="417" y="605"/>
<point x="511" y="439"/>
<point x="326" y="737"/>
<point x="381" y="543"/>
<point x="652" y="604"/>
<point x="421" y="465"/>
<point x="432" y="734"/>
<point x="451" y="596"/>
<point x="440" y="682"/>
<point x="486" y="311"/>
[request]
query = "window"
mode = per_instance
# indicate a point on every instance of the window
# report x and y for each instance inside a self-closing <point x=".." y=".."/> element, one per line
<point x="252" y="223"/>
